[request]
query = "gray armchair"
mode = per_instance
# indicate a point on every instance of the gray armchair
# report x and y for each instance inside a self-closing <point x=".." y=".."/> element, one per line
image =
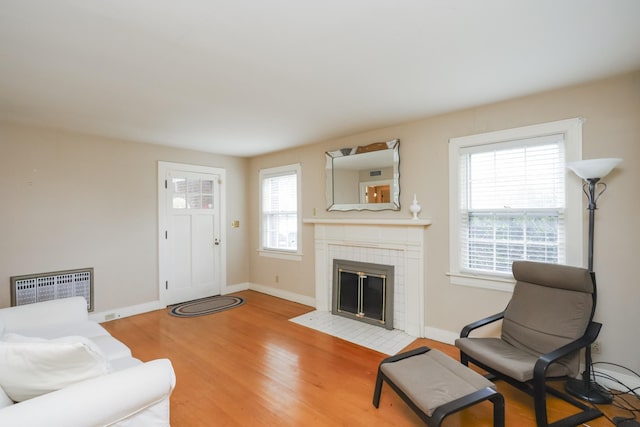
<point x="545" y="325"/>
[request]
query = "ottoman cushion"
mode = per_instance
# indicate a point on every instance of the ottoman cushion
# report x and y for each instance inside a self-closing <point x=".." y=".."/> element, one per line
<point x="432" y="379"/>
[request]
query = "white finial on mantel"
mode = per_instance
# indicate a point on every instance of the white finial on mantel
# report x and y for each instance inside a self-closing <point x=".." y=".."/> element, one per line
<point x="415" y="207"/>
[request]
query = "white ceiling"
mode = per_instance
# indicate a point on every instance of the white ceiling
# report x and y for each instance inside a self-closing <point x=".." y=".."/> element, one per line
<point x="245" y="77"/>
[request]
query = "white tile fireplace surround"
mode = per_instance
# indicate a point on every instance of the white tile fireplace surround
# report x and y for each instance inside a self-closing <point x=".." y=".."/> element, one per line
<point x="383" y="241"/>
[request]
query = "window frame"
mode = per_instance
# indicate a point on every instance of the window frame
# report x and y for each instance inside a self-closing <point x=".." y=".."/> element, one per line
<point x="273" y="172"/>
<point x="572" y="131"/>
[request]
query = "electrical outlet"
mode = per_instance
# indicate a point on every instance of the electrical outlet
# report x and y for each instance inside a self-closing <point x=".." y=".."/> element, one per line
<point x="110" y="316"/>
<point x="595" y="347"/>
<point x="277" y="279"/>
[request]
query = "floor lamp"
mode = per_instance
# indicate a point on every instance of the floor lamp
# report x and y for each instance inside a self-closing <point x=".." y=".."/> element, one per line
<point x="591" y="171"/>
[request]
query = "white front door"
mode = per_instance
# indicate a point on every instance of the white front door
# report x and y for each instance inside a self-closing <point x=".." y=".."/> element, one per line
<point x="190" y="234"/>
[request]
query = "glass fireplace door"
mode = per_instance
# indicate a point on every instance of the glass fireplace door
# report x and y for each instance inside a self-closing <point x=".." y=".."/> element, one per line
<point x="362" y="295"/>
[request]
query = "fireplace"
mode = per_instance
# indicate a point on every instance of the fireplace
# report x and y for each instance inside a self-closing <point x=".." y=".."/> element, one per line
<point x="396" y="242"/>
<point x="363" y="291"/>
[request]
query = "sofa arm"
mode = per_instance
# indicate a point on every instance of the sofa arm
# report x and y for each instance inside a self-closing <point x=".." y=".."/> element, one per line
<point x="46" y="313"/>
<point x="102" y="401"/>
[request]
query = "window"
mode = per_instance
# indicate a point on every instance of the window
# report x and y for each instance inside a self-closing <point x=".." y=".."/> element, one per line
<point x="192" y="193"/>
<point x="280" y="210"/>
<point x="510" y="200"/>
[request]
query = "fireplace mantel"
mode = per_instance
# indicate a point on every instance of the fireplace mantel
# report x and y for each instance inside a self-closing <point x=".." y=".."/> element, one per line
<point x="367" y="238"/>
<point x="369" y="221"/>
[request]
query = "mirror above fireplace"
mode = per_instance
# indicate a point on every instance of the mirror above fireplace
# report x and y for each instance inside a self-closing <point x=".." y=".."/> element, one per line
<point x="366" y="177"/>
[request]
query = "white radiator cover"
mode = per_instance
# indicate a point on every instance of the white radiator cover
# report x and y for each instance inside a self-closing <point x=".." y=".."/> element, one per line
<point x="31" y="288"/>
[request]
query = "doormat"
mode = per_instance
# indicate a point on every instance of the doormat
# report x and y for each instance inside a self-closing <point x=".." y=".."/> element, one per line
<point x="205" y="306"/>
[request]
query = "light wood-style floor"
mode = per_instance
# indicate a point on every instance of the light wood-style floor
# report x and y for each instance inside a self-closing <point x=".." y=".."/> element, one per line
<point x="250" y="366"/>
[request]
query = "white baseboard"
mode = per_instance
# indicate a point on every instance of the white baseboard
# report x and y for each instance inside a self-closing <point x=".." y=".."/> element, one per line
<point x="290" y="296"/>
<point x="117" y="313"/>
<point x="440" y="335"/>
<point x="235" y="288"/>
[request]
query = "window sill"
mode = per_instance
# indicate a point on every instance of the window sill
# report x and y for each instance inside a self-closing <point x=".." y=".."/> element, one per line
<point x="291" y="256"/>
<point x="483" y="282"/>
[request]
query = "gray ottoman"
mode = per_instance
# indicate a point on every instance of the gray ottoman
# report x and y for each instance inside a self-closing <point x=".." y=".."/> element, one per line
<point x="435" y="385"/>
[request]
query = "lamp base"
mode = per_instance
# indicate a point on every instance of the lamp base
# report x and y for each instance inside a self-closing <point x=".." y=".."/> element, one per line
<point x="625" y="422"/>
<point x="588" y="390"/>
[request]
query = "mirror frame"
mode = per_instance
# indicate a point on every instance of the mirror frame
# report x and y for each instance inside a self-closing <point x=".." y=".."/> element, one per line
<point x="331" y="156"/>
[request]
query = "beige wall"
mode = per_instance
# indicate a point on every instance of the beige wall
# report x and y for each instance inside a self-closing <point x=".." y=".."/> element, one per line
<point x="612" y="129"/>
<point x="74" y="201"/>
<point x="70" y="201"/>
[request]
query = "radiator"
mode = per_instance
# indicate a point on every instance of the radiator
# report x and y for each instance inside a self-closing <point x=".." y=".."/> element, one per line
<point x="32" y="288"/>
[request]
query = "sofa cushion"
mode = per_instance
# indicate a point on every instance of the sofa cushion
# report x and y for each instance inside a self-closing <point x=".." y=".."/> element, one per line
<point x="88" y="329"/>
<point x="111" y="348"/>
<point x="124" y="363"/>
<point x="4" y="399"/>
<point x="56" y="312"/>
<point x="30" y="367"/>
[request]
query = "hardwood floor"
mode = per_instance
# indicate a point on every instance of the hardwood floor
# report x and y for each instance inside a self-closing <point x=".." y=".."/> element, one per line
<point x="250" y="366"/>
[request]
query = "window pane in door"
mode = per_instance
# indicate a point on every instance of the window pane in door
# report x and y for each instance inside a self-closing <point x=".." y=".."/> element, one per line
<point x="207" y="194"/>
<point x="192" y="193"/>
<point x="195" y="201"/>
<point x="207" y="201"/>
<point x="179" y="200"/>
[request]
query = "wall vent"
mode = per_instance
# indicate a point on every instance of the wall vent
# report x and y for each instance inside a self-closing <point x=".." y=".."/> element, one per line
<point x="32" y="288"/>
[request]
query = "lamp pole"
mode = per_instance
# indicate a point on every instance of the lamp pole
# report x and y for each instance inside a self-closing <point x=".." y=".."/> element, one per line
<point x="589" y="189"/>
<point x="585" y="388"/>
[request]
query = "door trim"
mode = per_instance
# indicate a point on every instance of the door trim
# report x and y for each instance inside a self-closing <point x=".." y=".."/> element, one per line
<point x="163" y="168"/>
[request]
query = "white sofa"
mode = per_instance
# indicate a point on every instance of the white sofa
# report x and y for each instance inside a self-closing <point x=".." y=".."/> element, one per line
<point x="115" y="390"/>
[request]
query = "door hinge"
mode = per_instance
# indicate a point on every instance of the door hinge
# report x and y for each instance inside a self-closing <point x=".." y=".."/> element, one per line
<point x="165" y="184"/>
<point x="166" y="284"/>
<point x="166" y="234"/>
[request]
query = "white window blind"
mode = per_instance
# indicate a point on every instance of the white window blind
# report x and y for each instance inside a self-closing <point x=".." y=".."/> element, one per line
<point x="511" y="197"/>
<point x="279" y="209"/>
<point x="512" y="203"/>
